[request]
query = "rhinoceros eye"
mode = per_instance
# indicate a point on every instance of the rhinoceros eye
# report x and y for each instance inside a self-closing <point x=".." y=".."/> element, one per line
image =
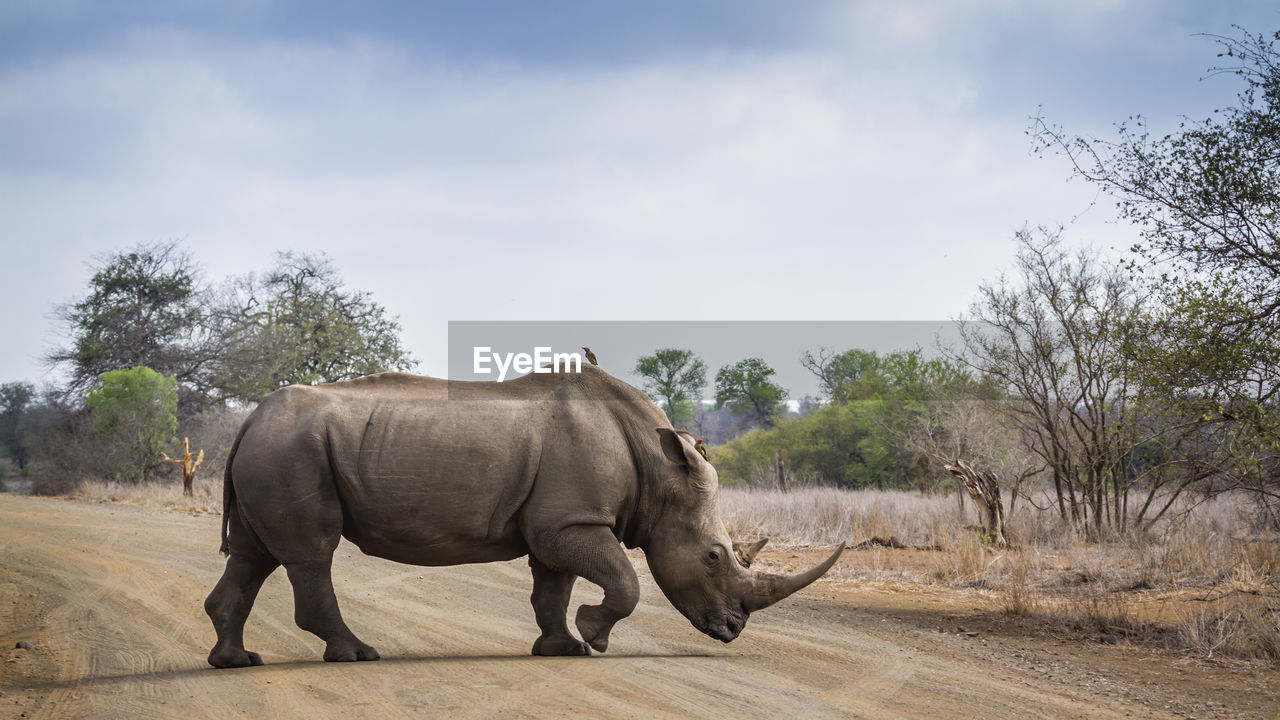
<point x="713" y="556"/>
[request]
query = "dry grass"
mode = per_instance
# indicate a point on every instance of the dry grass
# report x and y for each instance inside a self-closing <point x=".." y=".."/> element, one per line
<point x="1200" y="581"/>
<point x="826" y="516"/>
<point x="206" y="495"/>
<point x="1239" y="627"/>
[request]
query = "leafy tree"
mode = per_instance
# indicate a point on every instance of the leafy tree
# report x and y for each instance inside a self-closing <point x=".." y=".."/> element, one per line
<point x="135" y="411"/>
<point x="15" y="405"/>
<point x="892" y="398"/>
<point x="674" y="378"/>
<point x="1204" y="200"/>
<point x="296" y="324"/>
<point x="746" y="389"/>
<point x="144" y="307"/>
<point x="838" y="374"/>
<point x="299" y="325"/>
<point x="831" y="446"/>
<point x="841" y="445"/>
<point x="1054" y="340"/>
<point x="962" y="427"/>
<point x="857" y="442"/>
<point x="64" y="448"/>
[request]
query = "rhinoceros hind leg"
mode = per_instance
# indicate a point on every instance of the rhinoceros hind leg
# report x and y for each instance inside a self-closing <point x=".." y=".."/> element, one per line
<point x="349" y="651"/>
<point x="550" y="600"/>
<point x="229" y="605"/>
<point x="595" y="622"/>
<point x="315" y="609"/>
<point x="234" y="658"/>
<point x="593" y="553"/>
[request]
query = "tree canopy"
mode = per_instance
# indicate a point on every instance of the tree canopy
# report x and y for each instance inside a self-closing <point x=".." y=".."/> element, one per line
<point x="745" y="388"/>
<point x="134" y="410"/>
<point x="1053" y="339"/>
<point x="15" y="400"/>
<point x="144" y="307"/>
<point x="674" y="378"/>
<point x="856" y="439"/>
<point x="1204" y="201"/>
<point x="299" y="324"/>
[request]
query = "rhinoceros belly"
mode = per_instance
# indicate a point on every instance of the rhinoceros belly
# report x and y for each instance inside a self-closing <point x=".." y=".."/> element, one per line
<point x="432" y="488"/>
<point x="437" y="522"/>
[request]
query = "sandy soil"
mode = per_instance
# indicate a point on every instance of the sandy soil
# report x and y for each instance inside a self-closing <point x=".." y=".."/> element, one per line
<point x="110" y="595"/>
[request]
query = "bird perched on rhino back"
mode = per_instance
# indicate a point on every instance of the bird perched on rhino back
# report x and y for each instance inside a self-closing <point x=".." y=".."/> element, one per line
<point x="591" y="357"/>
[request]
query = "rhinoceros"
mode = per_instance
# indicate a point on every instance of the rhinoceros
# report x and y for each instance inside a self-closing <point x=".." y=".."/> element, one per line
<point x="564" y="467"/>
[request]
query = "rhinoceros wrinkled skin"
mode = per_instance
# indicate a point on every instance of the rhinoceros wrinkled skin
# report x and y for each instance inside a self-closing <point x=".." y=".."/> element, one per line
<point x="563" y="467"/>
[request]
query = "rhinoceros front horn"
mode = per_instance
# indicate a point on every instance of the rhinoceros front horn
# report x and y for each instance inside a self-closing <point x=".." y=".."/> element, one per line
<point x="764" y="589"/>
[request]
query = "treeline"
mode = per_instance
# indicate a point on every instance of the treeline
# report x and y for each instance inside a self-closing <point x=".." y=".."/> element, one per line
<point x="853" y="436"/>
<point x="856" y="435"/>
<point x="155" y="354"/>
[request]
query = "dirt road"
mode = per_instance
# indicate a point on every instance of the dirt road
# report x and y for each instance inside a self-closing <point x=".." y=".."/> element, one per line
<point x="110" y="595"/>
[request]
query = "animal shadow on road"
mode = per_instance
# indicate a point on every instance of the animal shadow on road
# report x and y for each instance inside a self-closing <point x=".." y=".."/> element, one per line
<point x="162" y="675"/>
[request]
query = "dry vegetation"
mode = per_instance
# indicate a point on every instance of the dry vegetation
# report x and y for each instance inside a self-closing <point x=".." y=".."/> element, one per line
<point x="1205" y="581"/>
<point x="206" y="494"/>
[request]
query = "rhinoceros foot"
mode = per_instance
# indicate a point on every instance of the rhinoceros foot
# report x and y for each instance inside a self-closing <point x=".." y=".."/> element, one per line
<point x="348" y="651"/>
<point x="564" y="645"/>
<point x="594" y="623"/>
<point x="234" y="658"/>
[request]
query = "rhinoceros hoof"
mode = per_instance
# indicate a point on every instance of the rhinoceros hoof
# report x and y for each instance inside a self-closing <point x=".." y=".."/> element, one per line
<point x="560" y="646"/>
<point x="349" y="652"/>
<point x="234" y="658"/>
<point x="594" y="625"/>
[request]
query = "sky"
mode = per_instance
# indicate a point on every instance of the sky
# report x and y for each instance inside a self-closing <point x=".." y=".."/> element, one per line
<point x="722" y="160"/>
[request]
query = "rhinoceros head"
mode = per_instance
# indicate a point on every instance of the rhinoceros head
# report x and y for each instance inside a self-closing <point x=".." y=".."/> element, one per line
<point x="692" y="557"/>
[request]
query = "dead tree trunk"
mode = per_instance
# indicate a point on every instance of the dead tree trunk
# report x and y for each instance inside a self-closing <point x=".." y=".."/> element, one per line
<point x="188" y="464"/>
<point x="985" y="493"/>
<point x="782" y="471"/>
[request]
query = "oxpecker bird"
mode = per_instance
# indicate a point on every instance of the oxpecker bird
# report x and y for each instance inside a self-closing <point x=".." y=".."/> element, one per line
<point x="591" y="357"/>
<point x="698" y="445"/>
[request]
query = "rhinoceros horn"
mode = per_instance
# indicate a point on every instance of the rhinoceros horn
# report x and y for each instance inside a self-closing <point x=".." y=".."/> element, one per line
<point x="764" y="589"/>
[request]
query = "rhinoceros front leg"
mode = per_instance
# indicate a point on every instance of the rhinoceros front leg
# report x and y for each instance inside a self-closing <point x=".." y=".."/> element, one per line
<point x="315" y="609"/>
<point x="550" y="599"/>
<point x="594" y="554"/>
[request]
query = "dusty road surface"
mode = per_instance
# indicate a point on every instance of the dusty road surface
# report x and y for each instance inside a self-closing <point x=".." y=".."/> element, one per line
<point x="109" y="598"/>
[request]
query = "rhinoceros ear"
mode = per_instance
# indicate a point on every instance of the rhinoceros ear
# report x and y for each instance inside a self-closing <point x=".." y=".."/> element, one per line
<point x="674" y="448"/>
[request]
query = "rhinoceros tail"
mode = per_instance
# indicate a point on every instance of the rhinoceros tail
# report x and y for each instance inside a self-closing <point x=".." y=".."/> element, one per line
<point x="229" y="493"/>
<point x="228" y="497"/>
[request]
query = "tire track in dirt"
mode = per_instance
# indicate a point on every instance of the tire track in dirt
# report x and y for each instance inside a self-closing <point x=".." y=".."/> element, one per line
<point x="115" y="596"/>
<point x="111" y="616"/>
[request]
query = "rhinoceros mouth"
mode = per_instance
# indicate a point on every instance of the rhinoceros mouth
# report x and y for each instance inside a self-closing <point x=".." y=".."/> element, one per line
<point x="722" y="634"/>
<point x="723" y="629"/>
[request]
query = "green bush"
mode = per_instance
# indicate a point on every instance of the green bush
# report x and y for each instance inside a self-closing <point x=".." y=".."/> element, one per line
<point x="135" y="412"/>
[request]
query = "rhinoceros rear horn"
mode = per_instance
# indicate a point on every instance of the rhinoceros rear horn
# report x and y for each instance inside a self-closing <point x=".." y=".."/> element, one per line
<point x="763" y="589"/>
